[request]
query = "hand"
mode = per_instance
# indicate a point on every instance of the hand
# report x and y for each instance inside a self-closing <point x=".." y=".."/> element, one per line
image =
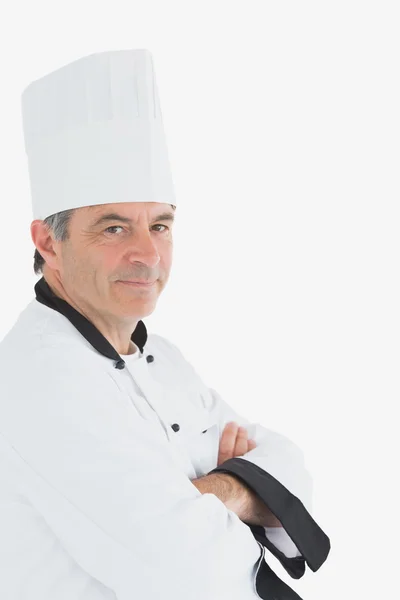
<point x="233" y="442"/>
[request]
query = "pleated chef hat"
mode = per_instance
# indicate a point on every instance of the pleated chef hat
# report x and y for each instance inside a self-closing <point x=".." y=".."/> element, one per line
<point x="94" y="134"/>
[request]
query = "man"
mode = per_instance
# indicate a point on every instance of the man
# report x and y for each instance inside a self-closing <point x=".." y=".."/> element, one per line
<point x="122" y="474"/>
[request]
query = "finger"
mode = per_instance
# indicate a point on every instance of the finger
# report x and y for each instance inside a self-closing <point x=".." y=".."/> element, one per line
<point x="241" y="442"/>
<point x="227" y="441"/>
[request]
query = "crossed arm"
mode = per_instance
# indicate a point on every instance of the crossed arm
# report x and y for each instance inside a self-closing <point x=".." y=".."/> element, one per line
<point x="234" y="493"/>
<point x="238" y="497"/>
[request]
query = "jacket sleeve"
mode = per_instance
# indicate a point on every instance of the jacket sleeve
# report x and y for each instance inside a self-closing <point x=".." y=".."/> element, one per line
<point x="108" y="485"/>
<point x="275" y="470"/>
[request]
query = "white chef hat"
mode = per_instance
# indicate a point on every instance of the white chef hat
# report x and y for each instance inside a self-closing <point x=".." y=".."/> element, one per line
<point x="94" y="134"/>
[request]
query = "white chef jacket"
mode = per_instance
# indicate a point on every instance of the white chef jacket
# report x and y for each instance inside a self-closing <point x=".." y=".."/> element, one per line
<point x="97" y="454"/>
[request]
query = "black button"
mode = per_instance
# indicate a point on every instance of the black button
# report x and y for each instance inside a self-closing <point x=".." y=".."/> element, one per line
<point x="176" y="427"/>
<point x="150" y="358"/>
<point x="204" y="431"/>
<point x="120" y="364"/>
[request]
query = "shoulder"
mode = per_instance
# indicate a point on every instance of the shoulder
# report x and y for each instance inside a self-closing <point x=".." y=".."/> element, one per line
<point x="62" y="387"/>
<point x="51" y="368"/>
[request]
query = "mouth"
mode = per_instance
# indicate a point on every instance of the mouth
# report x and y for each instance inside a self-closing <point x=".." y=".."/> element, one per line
<point x="138" y="283"/>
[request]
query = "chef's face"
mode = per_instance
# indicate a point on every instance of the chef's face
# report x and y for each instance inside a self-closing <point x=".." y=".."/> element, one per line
<point x="112" y="243"/>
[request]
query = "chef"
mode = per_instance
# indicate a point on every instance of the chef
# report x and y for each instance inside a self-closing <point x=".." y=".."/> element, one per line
<point x="123" y="475"/>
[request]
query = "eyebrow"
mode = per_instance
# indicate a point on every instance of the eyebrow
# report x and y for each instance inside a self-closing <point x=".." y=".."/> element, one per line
<point x="166" y="216"/>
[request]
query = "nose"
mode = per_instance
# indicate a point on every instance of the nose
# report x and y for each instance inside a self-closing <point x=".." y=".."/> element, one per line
<point x="144" y="250"/>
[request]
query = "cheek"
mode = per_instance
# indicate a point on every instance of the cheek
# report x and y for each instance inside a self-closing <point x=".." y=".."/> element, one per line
<point x="166" y="252"/>
<point x="166" y="262"/>
<point x="73" y="262"/>
<point x="105" y="259"/>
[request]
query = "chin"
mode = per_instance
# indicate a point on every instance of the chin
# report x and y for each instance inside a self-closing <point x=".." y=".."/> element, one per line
<point x="138" y="306"/>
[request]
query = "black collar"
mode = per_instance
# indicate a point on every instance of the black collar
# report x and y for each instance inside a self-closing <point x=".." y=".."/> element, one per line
<point x="46" y="296"/>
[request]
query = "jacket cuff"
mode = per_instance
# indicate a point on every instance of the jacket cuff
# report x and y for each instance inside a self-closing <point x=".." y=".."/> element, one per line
<point x="294" y="566"/>
<point x="310" y="539"/>
<point x="270" y="587"/>
<point x="281" y="539"/>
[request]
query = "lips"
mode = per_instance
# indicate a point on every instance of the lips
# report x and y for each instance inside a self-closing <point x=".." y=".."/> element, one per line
<point x="137" y="281"/>
<point x="138" y="284"/>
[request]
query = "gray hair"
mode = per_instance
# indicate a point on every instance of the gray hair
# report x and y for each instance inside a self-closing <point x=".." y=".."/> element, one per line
<point x="58" y="225"/>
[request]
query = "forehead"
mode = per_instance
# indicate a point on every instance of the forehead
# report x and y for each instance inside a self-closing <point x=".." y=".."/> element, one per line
<point x="127" y="208"/>
<point x="93" y="216"/>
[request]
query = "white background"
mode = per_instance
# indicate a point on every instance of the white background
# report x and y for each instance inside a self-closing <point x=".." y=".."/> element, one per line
<point x="282" y="124"/>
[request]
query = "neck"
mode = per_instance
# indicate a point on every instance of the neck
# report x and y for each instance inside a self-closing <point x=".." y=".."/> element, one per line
<point x="117" y="331"/>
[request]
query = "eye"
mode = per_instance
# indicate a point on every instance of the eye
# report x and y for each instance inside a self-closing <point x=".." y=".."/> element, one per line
<point x="120" y="227"/>
<point x="113" y="227"/>
<point x="160" y="225"/>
